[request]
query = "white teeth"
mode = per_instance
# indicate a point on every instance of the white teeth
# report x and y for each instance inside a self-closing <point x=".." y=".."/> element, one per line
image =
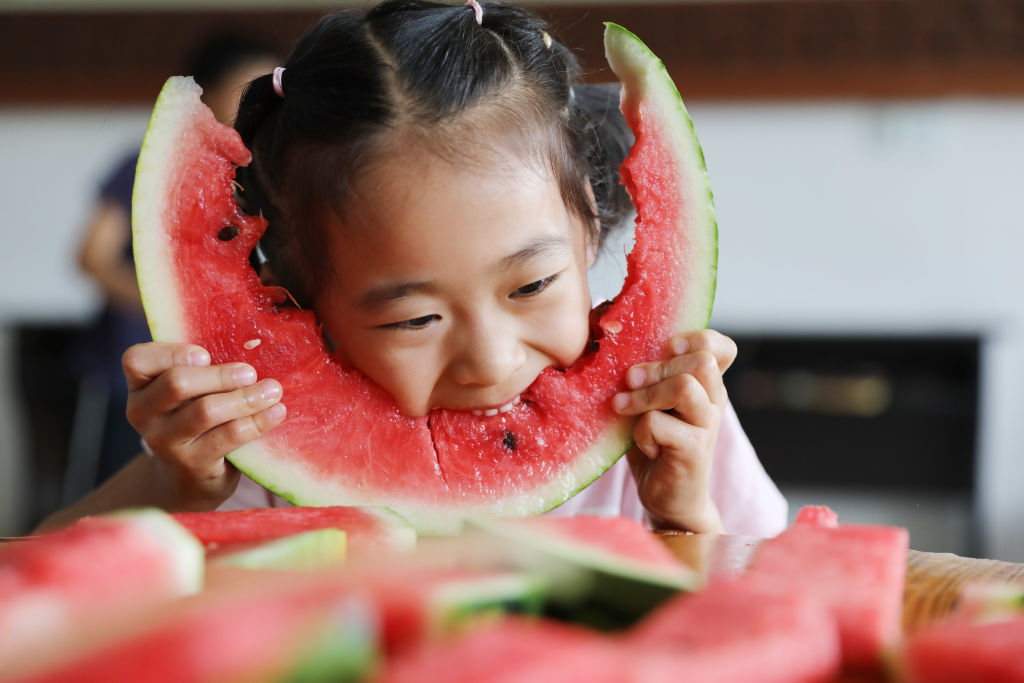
<point x="491" y="412"/>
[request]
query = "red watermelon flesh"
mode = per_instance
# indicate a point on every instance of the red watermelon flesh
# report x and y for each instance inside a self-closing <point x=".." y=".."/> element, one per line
<point x="97" y="569"/>
<point x="369" y="531"/>
<point x="732" y="632"/>
<point x="515" y="649"/>
<point x="957" y="651"/>
<point x="817" y="515"/>
<point x="343" y="441"/>
<point x="856" y="571"/>
<point x="243" y="634"/>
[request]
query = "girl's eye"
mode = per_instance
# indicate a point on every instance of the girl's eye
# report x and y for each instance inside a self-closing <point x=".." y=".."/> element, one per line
<point x="535" y="288"/>
<point x="414" y="323"/>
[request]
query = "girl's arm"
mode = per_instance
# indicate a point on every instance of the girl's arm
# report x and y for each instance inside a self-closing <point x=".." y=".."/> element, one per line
<point x="191" y="414"/>
<point x="142" y="482"/>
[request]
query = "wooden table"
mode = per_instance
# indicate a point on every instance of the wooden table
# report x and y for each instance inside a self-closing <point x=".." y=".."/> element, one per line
<point x="933" y="579"/>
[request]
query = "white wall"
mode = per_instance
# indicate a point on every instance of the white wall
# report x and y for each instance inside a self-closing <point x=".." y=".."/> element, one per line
<point x="878" y="217"/>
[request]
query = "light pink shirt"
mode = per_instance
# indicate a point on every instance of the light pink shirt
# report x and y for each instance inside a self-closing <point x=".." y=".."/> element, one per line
<point x="748" y="501"/>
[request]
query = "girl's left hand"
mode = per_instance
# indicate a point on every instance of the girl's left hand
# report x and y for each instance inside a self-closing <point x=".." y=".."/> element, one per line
<point x="681" y="401"/>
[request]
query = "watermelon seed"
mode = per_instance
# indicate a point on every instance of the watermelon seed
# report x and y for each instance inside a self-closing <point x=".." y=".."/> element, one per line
<point x="227" y="233"/>
<point x="510" y="441"/>
<point x="612" y="326"/>
<point x="594" y="346"/>
<point x="252" y="344"/>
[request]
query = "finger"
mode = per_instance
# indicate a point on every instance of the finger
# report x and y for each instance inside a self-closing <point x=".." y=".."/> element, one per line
<point x="142" y="363"/>
<point x="233" y="435"/>
<point x="658" y="434"/>
<point x="701" y="364"/>
<point x="682" y="394"/>
<point x="181" y="385"/>
<point x="723" y="348"/>
<point x="212" y="411"/>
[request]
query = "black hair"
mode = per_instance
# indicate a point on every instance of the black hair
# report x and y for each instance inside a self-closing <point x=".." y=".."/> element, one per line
<point x="218" y="54"/>
<point x="429" y="71"/>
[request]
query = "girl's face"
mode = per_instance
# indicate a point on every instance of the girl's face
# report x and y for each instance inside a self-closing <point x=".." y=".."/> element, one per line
<point x="456" y="286"/>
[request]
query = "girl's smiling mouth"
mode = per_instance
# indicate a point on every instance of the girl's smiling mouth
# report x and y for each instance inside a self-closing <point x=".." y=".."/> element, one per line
<point x="491" y="412"/>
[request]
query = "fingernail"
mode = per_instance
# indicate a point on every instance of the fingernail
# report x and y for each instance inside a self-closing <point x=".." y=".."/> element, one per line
<point x="276" y="412"/>
<point x="245" y="375"/>
<point x="620" y="401"/>
<point x="680" y="346"/>
<point x="270" y="390"/>
<point x="198" y="357"/>
<point x="636" y="377"/>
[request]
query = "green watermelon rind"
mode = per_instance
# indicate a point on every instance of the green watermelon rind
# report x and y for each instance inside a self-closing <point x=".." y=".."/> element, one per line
<point x="305" y="550"/>
<point x="187" y="555"/>
<point x="561" y="548"/>
<point x="150" y="202"/>
<point x="644" y="76"/>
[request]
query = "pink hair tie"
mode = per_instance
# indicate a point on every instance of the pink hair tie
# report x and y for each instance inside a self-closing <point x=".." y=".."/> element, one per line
<point x="477" y="10"/>
<point x="278" y="88"/>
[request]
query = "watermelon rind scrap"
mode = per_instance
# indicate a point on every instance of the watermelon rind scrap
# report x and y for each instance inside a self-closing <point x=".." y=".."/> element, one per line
<point x="186" y="553"/>
<point x="585" y="582"/>
<point x="686" y="217"/>
<point x="314" y="549"/>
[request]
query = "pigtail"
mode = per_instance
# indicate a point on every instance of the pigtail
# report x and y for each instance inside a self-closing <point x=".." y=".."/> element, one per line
<point x="257" y="104"/>
<point x="607" y="137"/>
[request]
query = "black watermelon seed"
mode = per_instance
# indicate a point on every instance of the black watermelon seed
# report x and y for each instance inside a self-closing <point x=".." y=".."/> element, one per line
<point x="594" y="346"/>
<point x="510" y="441"/>
<point x="227" y="233"/>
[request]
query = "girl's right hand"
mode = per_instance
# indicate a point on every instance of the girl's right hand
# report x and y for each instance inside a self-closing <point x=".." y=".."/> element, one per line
<point x="191" y="414"/>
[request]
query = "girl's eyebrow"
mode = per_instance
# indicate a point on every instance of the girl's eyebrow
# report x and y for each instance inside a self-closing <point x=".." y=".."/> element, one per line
<point x="391" y="292"/>
<point x="542" y="246"/>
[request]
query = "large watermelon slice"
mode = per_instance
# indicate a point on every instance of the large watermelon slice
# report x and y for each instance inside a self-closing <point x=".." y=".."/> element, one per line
<point x="344" y="442"/>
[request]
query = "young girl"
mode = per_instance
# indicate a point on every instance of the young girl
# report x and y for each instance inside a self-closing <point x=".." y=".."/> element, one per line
<point x="436" y="186"/>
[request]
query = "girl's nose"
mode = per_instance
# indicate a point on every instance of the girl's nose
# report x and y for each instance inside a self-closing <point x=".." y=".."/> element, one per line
<point x="487" y="355"/>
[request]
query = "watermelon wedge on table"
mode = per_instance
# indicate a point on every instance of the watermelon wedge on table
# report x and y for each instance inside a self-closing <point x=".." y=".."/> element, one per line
<point x="856" y="571"/>
<point x="731" y="632"/>
<point x="958" y="651"/>
<point x="97" y="570"/>
<point x="343" y="441"/>
<point x="270" y="631"/>
<point x="368" y="530"/>
<point x="602" y="571"/>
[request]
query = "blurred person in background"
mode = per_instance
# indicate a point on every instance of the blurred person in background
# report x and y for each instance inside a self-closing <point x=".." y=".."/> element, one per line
<point x="103" y="440"/>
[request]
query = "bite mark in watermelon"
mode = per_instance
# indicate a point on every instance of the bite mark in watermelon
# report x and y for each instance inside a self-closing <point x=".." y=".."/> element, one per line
<point x="343" y="441"/>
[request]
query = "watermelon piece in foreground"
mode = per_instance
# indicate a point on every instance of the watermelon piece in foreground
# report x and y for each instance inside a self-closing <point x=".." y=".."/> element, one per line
<point x="308" y="550"/>
<point x="603" y="571"/>
<point x="97" y="570"/>
<point x="731" y="632"/>
<point x="368" y="530"/>
<point x="344" y="441"/>
<point x="856" y="571"/>
<point x="957" y="650"/>
<point x="269" y="631"/>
